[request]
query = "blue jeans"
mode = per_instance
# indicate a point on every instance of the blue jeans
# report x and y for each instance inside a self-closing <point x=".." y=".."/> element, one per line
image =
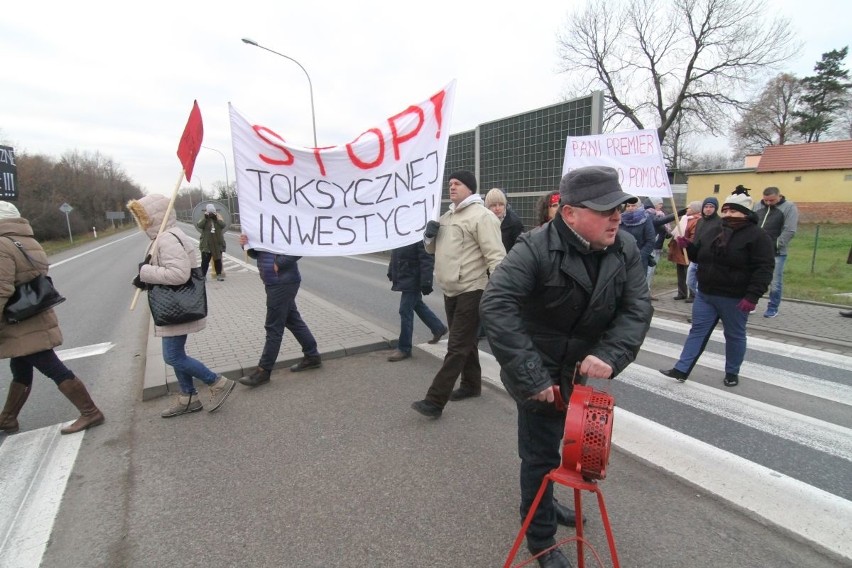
<point x="409" y="304"/>
<point x="706" y="313"/>
<point x="692" y="278"/>
<point x="174" y="354"/>
<point x="651" y="269"/>
<point x="281" y="312"/>
<point x="777" y="282"/>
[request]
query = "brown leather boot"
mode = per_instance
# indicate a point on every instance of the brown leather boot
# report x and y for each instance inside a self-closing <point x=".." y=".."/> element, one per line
<point x="15" y="400"/>
<point x="75" y="391"/>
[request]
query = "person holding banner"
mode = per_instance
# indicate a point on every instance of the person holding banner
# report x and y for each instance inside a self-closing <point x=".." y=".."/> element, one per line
<point x="281" y="280"/>
<point x="410" y="270"/>
<point x="571" y="295"/>
<point x="635" y="221"/>
<point x="467" y="246"/>
<point x="686" y="229"/>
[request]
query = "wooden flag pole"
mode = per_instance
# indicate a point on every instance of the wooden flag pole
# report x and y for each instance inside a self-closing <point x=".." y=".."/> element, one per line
<point x="677" y="223"/>
<point x="160" y="231"/>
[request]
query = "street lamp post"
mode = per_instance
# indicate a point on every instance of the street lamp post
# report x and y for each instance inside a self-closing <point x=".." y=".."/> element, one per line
<point x="310" y="85"/>
<point x="227" y="181"/>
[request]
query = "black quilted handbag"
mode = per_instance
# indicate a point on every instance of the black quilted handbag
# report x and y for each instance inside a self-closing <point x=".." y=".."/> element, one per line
<point x="33" y="297"/>
<point x="183" y="303"/>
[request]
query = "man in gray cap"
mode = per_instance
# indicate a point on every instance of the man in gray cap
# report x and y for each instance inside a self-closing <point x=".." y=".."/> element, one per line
<point x="569" y="295"/>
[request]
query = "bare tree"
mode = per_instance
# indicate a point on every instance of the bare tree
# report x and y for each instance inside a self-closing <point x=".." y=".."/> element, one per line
<point x="768" y="121"/>
<point x="656" y="60"/>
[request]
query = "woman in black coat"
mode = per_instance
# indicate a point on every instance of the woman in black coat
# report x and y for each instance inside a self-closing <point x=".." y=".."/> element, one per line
<point x="735" y="267"/>
<point x="511" y="225"/>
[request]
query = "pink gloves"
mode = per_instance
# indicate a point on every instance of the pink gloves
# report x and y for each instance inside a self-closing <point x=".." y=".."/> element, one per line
<point x="682" y="242"/>
<point x="746" y="306"/>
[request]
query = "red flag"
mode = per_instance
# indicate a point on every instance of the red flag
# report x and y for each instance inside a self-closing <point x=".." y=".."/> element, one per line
<point x="190" y="142"/>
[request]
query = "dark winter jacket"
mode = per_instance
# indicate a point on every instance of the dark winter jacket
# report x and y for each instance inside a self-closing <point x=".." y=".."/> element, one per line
<point x="741" y="269"/>
<point x="638" y="224"/>
<point x="543" y="314"/>
<point x="411" y="268"/>
<point x="511" y="228"/>
<point x="288" y="267"/>
<point x="780" y="221"/>
<point x="212" y="237"/>
<point x="709" y="224"/>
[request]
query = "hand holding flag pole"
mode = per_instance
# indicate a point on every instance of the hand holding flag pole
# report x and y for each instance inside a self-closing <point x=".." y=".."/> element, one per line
<point x="190" y="145"/>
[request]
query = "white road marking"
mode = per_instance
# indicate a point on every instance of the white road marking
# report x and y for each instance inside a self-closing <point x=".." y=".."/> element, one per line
<point x="76" y="256"/>
<point x="817" y="515"/>
<point x="821" y="388"/>
<point x="34" y="470"/>
<point x="767" y="346"/>
<point x="85" y="351"/>
<point x="811" y="432"/>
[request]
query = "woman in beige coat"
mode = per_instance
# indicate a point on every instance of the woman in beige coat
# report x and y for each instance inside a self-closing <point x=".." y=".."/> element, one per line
<point x="29" y="344"/>
<point x="171" y="263"/>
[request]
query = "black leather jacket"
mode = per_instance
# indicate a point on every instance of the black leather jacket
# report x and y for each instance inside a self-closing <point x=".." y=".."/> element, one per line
<point x="542" y="314"/>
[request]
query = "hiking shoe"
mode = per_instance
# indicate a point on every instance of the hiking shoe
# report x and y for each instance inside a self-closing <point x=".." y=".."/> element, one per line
<point x="463" y="393"/>
<point x="675" y="374"/>
<point x="307" y="362"/>
<point x="437" y="337"/>
<point x="427" y="408"/>
<point x="219" y="391"/>
<point x="183" y="404"/>
<point x="731" y="380"/>
<point x="770" y="313"/>
<point x="399" y="356"/>
<point x="258" y="377"/>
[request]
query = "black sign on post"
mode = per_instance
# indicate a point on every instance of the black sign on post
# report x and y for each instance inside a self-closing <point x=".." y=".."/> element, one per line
<point x="8" y="187"/>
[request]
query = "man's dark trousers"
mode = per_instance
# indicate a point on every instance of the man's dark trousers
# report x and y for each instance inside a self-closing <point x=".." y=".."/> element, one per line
<point x="540" y="430"/>
<point x="281" y="312"/>
<point x="462" y="356"/>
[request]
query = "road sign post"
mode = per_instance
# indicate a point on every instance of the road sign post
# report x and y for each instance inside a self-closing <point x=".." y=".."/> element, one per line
<point x="65" y="208"/>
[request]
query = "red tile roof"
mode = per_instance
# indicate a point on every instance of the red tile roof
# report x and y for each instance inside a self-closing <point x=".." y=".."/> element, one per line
<point x="835" y="155"/>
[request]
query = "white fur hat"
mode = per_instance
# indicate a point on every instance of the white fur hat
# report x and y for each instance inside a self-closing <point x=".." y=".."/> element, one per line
<point x="8" y="211"/>
<point x="740" y="200"/>
<point x="210" y="208"/>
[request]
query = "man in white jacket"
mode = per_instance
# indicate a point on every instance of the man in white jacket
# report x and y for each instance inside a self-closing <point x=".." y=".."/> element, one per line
<point x="467" y="245"/>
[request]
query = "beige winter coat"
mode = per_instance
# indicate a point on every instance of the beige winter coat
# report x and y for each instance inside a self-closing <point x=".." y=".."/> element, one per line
<point x="40" y="332"/>
<point x="469" y="244"/>
<point x="170" y="262"/>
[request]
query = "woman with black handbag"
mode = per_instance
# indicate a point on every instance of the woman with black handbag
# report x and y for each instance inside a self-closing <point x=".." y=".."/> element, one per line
<point x="171" y="260"/>
<point x="29" y="343"/>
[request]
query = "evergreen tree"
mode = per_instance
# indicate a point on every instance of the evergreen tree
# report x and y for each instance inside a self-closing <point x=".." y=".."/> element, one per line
<point x="824" y="95"/>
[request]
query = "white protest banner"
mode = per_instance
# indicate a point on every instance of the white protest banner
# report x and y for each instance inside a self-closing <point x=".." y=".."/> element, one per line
<point x="636" y="155"/>
<point x="372" y="194"/>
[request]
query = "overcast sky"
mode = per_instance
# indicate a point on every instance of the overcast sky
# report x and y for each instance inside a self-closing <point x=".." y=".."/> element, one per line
<point x="119" y="79"/>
